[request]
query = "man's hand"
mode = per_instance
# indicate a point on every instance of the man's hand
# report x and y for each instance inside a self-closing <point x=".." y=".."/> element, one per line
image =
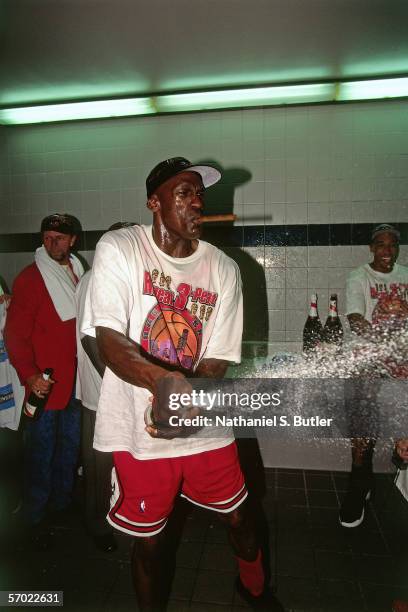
<point x="175" y="384"/>
<point x="6" y="298"/>
<point x="360" y="326"/>
<point x="38" y="385"/>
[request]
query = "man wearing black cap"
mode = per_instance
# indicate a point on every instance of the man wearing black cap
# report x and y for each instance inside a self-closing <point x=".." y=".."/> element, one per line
<point x="40" y="334"/>
<point x="148" y="332"/>
<point x="377" y="306"/>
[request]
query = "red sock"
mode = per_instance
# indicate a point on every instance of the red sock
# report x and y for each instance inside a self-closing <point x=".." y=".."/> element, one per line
<point x="252" y="574"/>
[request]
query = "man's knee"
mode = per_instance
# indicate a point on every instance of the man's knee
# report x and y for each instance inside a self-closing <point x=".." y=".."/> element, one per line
<point x="146" y="551"/>
<point x="236" y="519"/>
<point x="241" y="533"/>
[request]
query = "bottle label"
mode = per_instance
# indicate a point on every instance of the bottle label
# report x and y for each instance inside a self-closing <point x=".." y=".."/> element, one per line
<point x="333" y="310"/>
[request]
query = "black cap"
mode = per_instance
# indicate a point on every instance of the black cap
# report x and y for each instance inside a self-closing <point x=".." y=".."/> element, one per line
<point x="62" y="223"/>
<point x="121" y="225"/>
<point x="385" y="227"/>
<point x="168" y="168"/>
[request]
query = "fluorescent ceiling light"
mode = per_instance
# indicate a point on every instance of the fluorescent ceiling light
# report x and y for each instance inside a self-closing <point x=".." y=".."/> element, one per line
<point x="307" y="93"/>
<point x="76" y="110"/>
<point x="373" y="90"/>
<point x="257" y="96"/>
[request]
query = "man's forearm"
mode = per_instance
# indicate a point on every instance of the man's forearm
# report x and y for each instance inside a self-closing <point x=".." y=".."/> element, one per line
<point x="123" y="357"/>
<point x="360" y="326"/>
<point x="91" y="349"/>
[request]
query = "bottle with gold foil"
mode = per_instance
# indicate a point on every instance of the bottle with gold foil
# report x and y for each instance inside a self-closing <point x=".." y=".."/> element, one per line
<point x="313" y="330"/>
<point x="333" y="329"/>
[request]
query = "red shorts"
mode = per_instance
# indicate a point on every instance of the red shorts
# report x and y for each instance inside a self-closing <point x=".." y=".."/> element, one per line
<point x="144" y="491"/>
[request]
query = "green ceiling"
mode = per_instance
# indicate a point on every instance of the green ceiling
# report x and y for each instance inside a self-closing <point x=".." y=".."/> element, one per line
<point x="56" y="50"/>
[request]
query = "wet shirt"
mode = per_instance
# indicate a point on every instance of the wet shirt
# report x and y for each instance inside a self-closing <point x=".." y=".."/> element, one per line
<point x="366" y="288"/>
<point x="179" y="310"/>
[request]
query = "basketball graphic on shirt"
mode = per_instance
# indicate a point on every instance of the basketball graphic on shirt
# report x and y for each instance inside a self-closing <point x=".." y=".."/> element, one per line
<point x="390" y="311"/>
<point x="173" y="337"/>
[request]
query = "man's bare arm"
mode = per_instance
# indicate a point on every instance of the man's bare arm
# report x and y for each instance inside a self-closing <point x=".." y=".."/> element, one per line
<point x="90" y="347"/>
<point x="124" y="358"/>
<point x="359" y="325"/>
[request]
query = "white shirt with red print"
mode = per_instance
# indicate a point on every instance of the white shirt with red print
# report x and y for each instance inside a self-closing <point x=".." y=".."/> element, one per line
<point x="180" y="310"/>
<point x="366" y="287"/>
<point x="377" y="296"/>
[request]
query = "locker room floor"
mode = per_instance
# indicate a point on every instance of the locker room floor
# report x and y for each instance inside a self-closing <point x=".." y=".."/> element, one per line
<point x="315" y="563"/>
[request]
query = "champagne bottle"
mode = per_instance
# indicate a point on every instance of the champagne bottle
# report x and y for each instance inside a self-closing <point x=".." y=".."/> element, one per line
<point x="313" y="330"/>
<point x="333" y="329"/>
<point x="34" y="406"/>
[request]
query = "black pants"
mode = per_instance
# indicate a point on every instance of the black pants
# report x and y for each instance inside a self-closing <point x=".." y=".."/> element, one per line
<point x="97" y="474"/>
<point x="361" y="407"/>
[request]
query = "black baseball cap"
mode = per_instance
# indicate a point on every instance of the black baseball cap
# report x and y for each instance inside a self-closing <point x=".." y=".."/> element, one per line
<point x="62" y="223"/>
<point x="385" y="227"/>
<point x="168" y="168"/>
<point x="121" y="225"/>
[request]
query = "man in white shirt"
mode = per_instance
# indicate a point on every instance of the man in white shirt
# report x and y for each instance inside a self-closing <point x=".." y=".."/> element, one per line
<point x="97" y="466"/>
<point x="377" y="306"/>
<point x="146" y="332"/>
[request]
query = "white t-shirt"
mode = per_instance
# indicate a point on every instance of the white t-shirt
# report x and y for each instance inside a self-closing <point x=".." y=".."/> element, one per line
<point x="88" y="382"/>
<point x="365" y="287"/>
<point x="180" y="310"/>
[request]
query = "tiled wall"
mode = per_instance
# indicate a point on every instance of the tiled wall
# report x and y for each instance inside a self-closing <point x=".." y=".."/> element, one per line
<point x="296" y="166"/>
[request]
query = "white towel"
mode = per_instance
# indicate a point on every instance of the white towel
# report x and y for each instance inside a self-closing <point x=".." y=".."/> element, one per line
<point x="58" y="282"/>
<point x="401" y="480"/>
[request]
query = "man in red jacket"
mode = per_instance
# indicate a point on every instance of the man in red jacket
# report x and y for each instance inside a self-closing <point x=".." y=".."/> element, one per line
<point x="39" y="334"/>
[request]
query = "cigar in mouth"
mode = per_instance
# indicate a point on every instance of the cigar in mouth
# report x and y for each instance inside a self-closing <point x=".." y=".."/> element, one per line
<point x="214" y="218"/>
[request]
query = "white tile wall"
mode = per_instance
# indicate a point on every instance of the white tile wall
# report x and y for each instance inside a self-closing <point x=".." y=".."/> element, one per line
<point x="310" y="165"/>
